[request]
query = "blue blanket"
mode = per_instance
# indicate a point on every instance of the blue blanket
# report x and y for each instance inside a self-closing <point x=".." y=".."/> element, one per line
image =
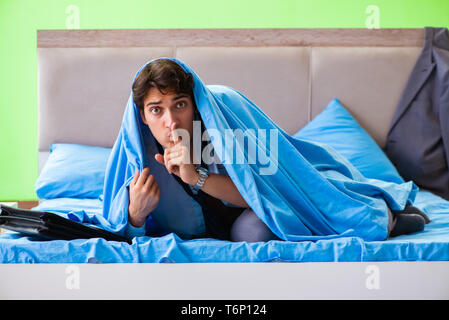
<point x="301" y="190"/>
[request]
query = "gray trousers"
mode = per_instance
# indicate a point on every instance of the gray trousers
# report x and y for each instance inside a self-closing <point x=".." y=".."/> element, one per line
<point x="248" y="227"/>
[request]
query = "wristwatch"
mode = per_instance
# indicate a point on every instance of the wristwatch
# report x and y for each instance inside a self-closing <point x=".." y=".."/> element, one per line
<point x="204" y="173"/>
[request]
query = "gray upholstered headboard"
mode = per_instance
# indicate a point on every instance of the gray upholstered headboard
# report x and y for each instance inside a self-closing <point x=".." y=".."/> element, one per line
<point x="85" y="76"/>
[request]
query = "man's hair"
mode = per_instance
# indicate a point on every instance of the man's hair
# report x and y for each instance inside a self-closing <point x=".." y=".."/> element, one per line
<point x="162" y="74"/>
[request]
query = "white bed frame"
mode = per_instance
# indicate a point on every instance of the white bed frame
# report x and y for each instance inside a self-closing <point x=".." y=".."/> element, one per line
<point x="224" y="281"/>
<point x="227" y="281"/>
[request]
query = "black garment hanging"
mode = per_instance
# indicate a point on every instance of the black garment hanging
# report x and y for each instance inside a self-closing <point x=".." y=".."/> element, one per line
<point x="418" y="139"/>
<point x="50" y="226"/>
<point x="218" y="217"/>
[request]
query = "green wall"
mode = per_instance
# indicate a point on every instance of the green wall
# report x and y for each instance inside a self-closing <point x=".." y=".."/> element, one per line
<point x="19" y="20"/>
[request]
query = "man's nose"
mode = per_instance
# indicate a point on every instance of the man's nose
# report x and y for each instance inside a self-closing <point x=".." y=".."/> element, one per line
<point x="171" y="121"/>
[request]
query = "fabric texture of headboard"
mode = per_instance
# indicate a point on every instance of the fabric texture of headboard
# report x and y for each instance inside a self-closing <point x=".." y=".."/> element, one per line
<point x="85" y="76"/>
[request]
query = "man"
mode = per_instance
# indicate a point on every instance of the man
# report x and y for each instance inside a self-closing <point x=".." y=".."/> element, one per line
<point x="193" y="201"/>
<point x="163" y="93"/>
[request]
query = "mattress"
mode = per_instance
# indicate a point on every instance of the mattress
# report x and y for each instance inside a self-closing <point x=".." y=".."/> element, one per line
<point x="432" y="244"/>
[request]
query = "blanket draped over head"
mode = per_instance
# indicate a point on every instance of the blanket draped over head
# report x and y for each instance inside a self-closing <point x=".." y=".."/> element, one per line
<point x="300" y="189"/>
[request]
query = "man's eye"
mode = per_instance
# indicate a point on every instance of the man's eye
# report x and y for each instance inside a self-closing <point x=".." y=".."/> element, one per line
<point x="155" y="110"/>
<point x="181" y="104"/>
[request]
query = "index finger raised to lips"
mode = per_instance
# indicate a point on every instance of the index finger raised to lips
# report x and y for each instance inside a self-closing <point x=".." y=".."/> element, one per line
<point x="177" y="137"/>
<point x="166" y="152"/>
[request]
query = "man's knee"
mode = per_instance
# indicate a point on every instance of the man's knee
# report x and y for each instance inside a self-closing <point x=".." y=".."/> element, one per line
<point x="248" y="227"/>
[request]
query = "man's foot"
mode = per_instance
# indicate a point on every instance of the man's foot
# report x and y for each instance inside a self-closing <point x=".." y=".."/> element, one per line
<point x="409" y="209"/>
<point x="407" y="223"/>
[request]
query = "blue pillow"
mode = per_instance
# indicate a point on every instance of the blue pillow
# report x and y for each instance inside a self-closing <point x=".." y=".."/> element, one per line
<point x="336" y="127"/>
<point x="73" y="171"/>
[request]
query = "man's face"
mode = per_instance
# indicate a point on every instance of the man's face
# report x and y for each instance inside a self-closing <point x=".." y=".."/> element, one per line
<point x="164" y="113"/>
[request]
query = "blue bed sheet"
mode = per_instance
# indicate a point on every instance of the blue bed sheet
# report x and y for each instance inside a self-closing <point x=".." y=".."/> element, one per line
<point x="430" y="245"/>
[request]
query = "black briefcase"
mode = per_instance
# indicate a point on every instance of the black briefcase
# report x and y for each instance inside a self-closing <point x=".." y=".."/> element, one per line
<point x="50" y="225"/>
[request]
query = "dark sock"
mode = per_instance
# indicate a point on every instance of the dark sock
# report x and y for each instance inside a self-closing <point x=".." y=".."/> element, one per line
<point x="407" y="223"/>
<point x="409" y="209"/>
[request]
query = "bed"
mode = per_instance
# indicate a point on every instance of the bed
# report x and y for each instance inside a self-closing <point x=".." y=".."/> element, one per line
<point x="309" y="78"/>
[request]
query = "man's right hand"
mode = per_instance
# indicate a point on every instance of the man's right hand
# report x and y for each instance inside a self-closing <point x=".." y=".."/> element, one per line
<point x="144" y="195"/>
